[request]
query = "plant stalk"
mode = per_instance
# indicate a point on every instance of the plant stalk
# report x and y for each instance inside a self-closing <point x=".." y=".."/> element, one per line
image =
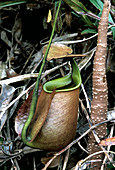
<point x="35" y="92"/>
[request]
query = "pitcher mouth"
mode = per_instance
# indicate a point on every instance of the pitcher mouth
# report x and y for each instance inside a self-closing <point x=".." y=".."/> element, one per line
<point x="69" y="82"/>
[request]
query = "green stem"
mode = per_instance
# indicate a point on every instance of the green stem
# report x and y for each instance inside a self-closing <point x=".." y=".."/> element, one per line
<point x="35" y="93"/>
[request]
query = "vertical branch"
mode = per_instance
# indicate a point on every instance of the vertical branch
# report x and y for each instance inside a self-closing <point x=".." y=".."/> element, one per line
<point x="99" y="102"/>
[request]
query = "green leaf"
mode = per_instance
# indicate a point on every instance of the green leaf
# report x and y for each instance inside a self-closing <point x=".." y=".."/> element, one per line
<point x="88" y="31"/>
<point x="14" y="2"/>
<point x="113" y="28"/>
<point x="88" y="21"/>
<point x="97" y="3"/>
<point x="79" y="8"/>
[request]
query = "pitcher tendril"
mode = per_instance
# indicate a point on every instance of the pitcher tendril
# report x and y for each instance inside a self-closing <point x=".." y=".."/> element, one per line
<point x="35" y="93"/>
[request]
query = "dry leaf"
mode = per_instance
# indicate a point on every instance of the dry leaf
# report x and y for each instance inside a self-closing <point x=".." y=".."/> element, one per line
<point x="107" y="142"/>
<point x="11" y="73"/>
<point x="57" y="50"/>
<point x="5" y="38"/>
<point x="2" y="70"/>
<point x="111" y="115"/>
<point x="68" y="18"/>
<point x="23" y="113"/>
<point x="54" y="163"/>
<point x="5" y="98"/>
<point x="49" y="18"/>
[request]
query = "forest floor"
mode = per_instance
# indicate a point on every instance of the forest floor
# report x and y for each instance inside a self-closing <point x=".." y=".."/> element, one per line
<point x="25" y="30"/>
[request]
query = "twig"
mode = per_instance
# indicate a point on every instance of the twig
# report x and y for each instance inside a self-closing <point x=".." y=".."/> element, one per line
<point x="82" y="147"/>
<point x="91" y="155"/>
<point x="108" y="148"/>
<point x="86" y="97"/>
<point x="32" y="75"/>
<point x="66" y="159"/>
<point x="58" y="39"/>
<point x="17" y="98"/>
<point x="82" y="64"/>
<point x="83" y="40"/>
<point x="16" y="153"/>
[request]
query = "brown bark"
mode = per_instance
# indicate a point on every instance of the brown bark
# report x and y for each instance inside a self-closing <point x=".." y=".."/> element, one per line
<point x="99" y="102"/>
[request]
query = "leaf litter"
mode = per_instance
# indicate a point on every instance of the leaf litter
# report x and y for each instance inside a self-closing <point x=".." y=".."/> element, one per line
<point x="22" y="57"/>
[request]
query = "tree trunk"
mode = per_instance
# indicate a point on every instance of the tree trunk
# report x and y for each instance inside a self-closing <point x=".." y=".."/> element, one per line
<point x="99" y="102"/>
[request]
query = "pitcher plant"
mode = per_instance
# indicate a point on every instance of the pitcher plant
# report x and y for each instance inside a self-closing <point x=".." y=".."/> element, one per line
<point x="54" y="123"/>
